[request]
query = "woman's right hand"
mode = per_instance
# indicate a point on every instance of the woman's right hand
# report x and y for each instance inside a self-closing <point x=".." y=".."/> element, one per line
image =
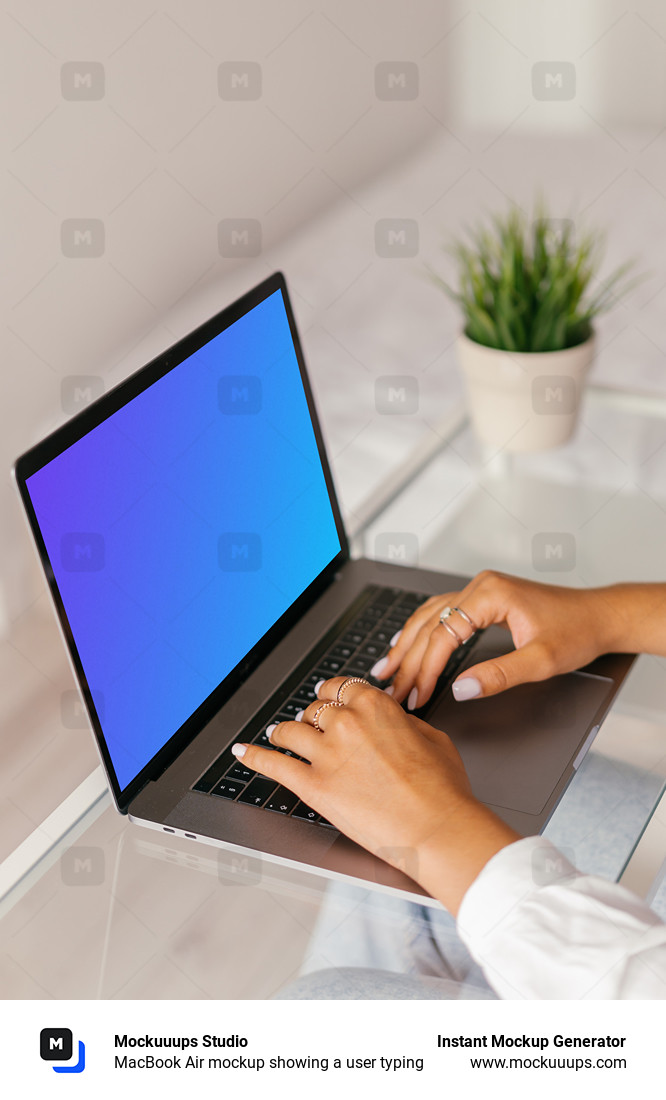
<point x="554" y="630"/>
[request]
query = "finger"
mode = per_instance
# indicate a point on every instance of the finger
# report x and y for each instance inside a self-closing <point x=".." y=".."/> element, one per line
<point x="531" y="662"/>
<point x="406" y="636"/>
<point x="328" y="692"/>
<point x="386" y="667"/>
<point x="291" y="773"/>
<point x="411" y="663"/>
<point x="298" y="737"/>
<point x="440" y="647"/>
<point x="429" y="611"/>
<point x="483" y="601"/>
<point x="486" y="601"/>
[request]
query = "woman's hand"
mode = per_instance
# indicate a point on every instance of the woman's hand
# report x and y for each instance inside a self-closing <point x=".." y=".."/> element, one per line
<point x="554" y="630"/>
<point x="390" y="782"/>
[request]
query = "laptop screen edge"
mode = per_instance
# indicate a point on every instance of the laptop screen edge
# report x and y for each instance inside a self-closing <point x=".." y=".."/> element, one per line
<point x="83" y="422"/>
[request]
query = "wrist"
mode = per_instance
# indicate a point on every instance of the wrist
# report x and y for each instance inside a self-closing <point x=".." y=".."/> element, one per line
<point x="614" y="616"/>
<point x="451" y="858"/>
<point x="603" y="612"/>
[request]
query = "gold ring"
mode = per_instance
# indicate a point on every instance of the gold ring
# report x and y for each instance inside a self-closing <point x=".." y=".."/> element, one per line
<point x="315" y="716"/>
<point x="345" y="684"/>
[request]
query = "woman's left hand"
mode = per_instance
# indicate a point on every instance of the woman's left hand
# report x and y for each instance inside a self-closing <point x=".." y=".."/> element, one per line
<point x="386" y="779"/>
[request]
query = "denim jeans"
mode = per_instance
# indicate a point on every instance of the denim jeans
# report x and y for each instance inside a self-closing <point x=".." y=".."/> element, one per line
<point x="370" y="946"/>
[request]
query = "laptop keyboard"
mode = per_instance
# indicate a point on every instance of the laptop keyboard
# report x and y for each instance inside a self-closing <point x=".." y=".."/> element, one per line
<point x="351" y="648"/>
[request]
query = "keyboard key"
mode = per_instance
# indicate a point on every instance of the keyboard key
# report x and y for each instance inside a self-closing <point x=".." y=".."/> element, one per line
<point x="262" y="738"/>
<point x="316" y="676"/>
<point x="391" y="625"/>
<point x="240" y="772"/>
<point x="282" y="801"/>
<point x="305" y="813"/>
<point x="358" y="666"/>
<point x="383" y="636"/>
<point x="332" y="665"/>
<point x="228" y="788"/>
<point x="215" y="772"/>
<point x="371" y="649"/>
<point x="411" y="600"/>
<point x="353" y="637"/>
<point x="386" y="596"/>
<point x="263" y="741"/>
<point x="307" y="694"/>
<point x="256" y="792"/>
<point x="363" y="627"/>
<point x="291" y="708"/>
<point x="343" y="651"/>
<point x="373" y="612"/>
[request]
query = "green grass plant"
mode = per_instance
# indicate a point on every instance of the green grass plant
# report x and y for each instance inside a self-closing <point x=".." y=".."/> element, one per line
<point x="531" y="284"/>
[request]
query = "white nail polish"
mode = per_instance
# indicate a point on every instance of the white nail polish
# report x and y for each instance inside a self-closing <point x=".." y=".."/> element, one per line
<point x="468" y="688"/>
<point x="378" y="668"/>
<point x="298" y="717"/>
<point x="238" y="750"/>
<point x="394" y="639"/>
<point x="389" y="690"/>
<point x="269" y="729"/>
<point x="318" y="686"/>
<point x="412" y="698"/>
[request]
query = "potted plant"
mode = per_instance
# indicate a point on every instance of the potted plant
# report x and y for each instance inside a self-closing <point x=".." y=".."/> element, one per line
<point x="529" y="294"/>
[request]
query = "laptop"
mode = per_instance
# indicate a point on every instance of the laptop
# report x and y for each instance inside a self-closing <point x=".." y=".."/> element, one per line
<point x="193" y="545"/>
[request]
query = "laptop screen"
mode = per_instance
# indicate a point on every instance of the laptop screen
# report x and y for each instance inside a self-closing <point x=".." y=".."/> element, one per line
<point x="183" y="526"/>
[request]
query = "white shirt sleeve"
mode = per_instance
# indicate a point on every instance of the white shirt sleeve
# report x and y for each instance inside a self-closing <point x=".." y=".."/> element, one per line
<point x="541" y="929"/>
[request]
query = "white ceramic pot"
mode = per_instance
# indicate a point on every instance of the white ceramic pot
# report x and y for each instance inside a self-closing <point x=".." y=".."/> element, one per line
<point x="524" y="401"/>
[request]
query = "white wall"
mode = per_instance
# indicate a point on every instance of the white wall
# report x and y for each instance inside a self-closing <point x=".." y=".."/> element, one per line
<point x="157" y="157"/>
<point x="155" y="154"/>
<point x="618" y="51"/>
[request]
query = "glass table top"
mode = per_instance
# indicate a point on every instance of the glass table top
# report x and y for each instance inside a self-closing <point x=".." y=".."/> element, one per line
<point x="93" y="906"/>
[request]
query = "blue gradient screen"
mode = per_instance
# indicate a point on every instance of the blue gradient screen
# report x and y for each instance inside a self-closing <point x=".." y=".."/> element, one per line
<point x="183" y="526"/>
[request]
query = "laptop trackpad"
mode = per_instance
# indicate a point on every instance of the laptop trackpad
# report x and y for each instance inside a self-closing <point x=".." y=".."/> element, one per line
<point x="515" y="746"/>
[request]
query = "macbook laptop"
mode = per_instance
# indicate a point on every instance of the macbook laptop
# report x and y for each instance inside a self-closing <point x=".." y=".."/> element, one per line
<point x="191" y="538"/>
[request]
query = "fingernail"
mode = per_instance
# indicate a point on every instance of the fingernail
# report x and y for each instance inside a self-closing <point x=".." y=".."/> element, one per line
<point x="469" y="688"/>
<point x="239" y="750"/>
<point x="389" y="690"/>
<point x="298" y="717"/>
<point x="378" y="668"/>
<point x="318" y="685"/>
<point x="394" y="639"/>
<point x="411" y="698"/>
<point x="269" y="729"/>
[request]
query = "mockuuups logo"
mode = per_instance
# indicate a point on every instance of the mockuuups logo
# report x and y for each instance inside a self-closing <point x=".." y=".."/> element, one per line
<point x="56" y="1044"/>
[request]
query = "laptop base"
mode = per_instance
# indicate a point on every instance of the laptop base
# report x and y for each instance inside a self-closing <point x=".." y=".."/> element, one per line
<point x="521" y="748"/>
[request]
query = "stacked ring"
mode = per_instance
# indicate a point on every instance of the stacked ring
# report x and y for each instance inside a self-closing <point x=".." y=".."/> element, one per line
<point x="345" y="684"/>
<point x="323" y="706"/>
<point x="447" y="613"/>
<point x="465" y="616"/>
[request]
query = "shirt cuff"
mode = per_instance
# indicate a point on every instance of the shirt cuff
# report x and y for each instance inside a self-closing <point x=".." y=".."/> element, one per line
<point x="507" y="880"/>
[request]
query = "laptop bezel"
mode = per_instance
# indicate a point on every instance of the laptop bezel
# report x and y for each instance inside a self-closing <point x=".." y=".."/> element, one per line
<point x="88" y="419"/>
